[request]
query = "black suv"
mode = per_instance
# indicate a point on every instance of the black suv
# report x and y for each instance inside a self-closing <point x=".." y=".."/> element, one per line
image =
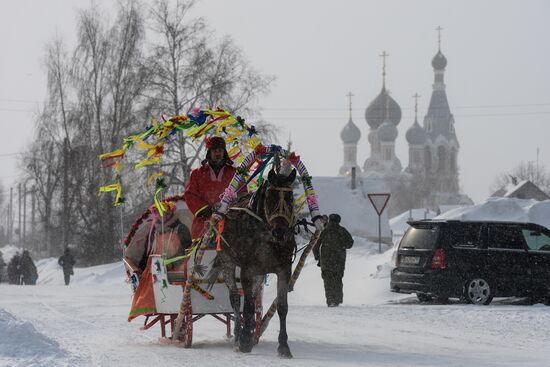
<point x="473" y="260"/>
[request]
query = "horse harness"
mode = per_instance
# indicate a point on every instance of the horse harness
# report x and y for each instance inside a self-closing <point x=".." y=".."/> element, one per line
<point x="282" y="209"/>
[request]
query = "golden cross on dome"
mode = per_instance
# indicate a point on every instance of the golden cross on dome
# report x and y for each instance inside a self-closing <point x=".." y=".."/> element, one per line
<point x="416" y="96"/>
<point x="439" y="29"/>
<point x="350" y="95"/>
<point x="383" y="56"/>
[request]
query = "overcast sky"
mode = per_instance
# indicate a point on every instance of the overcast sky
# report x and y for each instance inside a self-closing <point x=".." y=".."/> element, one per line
<point x="497" y="77"/>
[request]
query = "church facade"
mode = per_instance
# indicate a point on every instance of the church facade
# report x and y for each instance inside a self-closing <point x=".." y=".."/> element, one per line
<point x="431" y="173"/>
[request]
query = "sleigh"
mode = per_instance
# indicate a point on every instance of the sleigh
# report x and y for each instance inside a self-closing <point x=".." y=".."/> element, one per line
<point x="161" y="290"/>
<point x="167" y="290"/>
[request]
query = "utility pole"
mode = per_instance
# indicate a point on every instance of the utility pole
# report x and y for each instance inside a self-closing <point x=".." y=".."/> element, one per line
<point x="19" y="212"/>
<point x="65" y="216"/>
<point x="32" y="217"/>
<point x="10" y="216"/>
<point x="25" y="214"/>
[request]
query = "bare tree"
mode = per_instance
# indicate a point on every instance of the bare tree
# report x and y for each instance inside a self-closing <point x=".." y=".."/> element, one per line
<point x="188" y="72"/>
<point x="108" y="87"/>
<point x="44" y="167"/>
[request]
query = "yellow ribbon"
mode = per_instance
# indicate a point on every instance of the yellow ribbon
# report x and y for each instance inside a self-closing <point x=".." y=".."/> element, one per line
<point x="112" y="187"/>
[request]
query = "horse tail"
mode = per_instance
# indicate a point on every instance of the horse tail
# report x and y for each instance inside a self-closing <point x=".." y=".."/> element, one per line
<point x="214" y="273"/>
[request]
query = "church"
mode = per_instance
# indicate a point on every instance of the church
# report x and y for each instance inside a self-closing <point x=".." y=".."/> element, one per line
<point x="431" y="175"/>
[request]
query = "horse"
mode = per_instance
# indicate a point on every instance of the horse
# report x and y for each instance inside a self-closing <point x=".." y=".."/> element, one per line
<point x="258" y="237"/>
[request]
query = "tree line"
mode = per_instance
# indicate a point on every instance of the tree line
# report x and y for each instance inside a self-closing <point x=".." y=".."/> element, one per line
<point x="123" y="71"/>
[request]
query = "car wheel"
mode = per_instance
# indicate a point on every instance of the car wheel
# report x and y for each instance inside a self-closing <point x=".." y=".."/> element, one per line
<point x="424" y="298"/>
<point x="478" y="291"/>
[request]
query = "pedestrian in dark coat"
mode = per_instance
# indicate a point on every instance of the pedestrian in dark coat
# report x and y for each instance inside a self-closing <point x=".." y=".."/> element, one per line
<point x="29" y="275"/>
<point x="331" y="256"/>
<point x="14" y="269"/>
<point x="2" y="265"/>
<point x="66" y="261"/>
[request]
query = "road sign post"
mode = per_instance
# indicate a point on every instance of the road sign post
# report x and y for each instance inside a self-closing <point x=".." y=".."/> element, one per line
<point x="379" y="202"/>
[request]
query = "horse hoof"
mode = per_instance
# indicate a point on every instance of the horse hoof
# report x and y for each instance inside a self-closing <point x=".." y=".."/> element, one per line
<point x="284" y="352"/>
<point x="245" y="348"/>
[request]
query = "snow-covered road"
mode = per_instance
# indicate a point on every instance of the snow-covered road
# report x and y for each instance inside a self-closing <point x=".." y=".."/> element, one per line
<point x="85" y="325"/>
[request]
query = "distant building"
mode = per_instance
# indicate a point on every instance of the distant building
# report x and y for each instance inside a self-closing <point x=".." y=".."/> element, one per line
<point x="433" y="147"/>
<point x="350" y="135"/>
<point x="522" y="190"/>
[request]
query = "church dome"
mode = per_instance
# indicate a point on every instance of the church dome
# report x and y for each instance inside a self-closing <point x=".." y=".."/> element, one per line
<point x="439" y="62"/>
<point x="416" y="135"/>
<point x="387" y="132"/>
<point x="376" y="111"/>
<point x="350" y="133"/>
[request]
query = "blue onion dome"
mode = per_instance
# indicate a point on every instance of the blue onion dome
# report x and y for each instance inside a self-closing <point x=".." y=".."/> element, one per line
<point x="416" y="135"/>
<point x="439" y="62"/>
<point x="387" y="131"/>
<point x="350" y="133"/>
<point x="376" y="111"/>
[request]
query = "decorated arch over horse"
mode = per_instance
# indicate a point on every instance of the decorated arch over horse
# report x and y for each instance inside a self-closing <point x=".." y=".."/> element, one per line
<point x="244" y="148"/>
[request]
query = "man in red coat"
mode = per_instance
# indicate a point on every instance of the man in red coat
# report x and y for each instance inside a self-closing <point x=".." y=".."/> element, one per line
<point x="207" y="183"/>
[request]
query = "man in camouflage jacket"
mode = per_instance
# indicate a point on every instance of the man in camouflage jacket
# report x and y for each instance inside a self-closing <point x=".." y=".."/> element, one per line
<point x="331" y="256"/>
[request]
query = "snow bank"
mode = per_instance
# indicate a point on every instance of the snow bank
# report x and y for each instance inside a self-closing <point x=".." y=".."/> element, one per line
<point x="49" y="272"/>
<point x="8" y="251"/>
<point x="19" y="339"/>
<point x="504" y="209"/>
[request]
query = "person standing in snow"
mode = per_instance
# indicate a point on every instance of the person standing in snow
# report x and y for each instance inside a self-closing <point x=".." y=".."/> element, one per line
<point x="207" y="183"/>
<point x="2" y="265"/>
<point x="66" y="261"/>
<point x="29" y="275"/>
<point x="14" y="270"/>
<point x="331" y="256"/>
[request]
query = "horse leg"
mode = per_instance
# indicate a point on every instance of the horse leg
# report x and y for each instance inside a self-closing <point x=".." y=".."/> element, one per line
<point x="234" y="298"/>
<point x="283" y="277"/>
<point x="246" y="340"/>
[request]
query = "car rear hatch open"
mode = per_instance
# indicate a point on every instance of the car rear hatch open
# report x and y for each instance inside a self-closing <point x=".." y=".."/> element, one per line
<point x="417" y="248"/>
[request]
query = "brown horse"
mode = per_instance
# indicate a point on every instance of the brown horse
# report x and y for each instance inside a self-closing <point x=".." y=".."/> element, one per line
<point x="259" y="238"/>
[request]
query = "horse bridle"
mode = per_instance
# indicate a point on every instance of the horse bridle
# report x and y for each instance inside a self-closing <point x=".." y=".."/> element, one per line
<point x="282" y="209"/>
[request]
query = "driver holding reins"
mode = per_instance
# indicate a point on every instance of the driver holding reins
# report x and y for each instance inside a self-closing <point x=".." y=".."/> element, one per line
<point x="207" y="183"/>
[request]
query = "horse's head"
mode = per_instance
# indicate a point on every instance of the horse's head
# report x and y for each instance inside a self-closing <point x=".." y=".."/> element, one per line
<point x="279" y="203"/>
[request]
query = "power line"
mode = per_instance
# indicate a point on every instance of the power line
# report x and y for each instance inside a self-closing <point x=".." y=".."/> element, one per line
<point x="21" y="100"/>
<point x="311" y="109"/>
<point x="409" y="108"/>
<point x="411" y="116"/>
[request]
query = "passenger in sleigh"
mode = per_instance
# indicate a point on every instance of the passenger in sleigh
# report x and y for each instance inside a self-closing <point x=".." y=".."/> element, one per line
<point x="207" y="183"/>
<point x="166" y="235"/>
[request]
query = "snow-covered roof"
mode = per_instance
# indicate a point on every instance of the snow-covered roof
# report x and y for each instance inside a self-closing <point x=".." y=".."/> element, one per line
<point x="504" y="209"/>
<point x="524" y="189"/>
<point x="358" y="215"/>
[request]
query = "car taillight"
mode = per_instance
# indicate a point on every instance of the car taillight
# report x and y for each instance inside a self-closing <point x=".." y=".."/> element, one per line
<point x="438" y="261"/>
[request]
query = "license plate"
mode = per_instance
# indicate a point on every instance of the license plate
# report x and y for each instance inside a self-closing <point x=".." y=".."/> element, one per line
<point x="411" y="260"/>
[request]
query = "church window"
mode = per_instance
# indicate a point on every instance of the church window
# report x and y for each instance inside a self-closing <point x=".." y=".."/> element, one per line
<point x="441" y="158"/>
<point x="416" y="156"/>
<point x="387" y="153"/>
<point x="428" y="159"/>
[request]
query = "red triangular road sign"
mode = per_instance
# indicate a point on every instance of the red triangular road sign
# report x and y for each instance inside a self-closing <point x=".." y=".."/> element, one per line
<point x="379" y="201"/>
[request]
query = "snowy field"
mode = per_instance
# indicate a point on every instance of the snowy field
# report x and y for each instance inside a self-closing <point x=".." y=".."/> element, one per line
<point x="85" y="324"/>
